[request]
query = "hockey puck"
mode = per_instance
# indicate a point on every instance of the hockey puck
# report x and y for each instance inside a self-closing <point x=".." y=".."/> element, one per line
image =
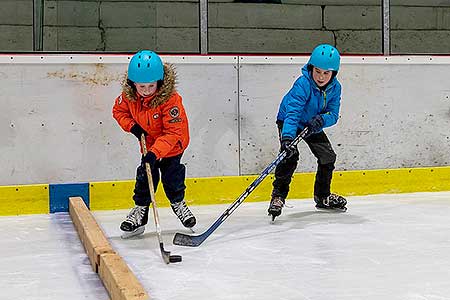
<point x="175" y="258"/>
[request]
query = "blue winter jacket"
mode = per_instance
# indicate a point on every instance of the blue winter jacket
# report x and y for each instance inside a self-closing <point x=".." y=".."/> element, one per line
<point x="305" y="100"/>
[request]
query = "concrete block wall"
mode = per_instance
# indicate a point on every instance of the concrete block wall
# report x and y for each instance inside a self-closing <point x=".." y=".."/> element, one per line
<point x="121" y="26"/>
<point x="16" y="25"/>
<point x="235" y="26"/>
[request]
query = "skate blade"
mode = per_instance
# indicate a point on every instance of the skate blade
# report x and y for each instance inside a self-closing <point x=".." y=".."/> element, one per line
<point x="129" y="234"/>
<point x="272" y="219"/>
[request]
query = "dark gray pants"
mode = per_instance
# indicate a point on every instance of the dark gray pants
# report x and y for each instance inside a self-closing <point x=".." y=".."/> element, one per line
<point x="321" y="147"/>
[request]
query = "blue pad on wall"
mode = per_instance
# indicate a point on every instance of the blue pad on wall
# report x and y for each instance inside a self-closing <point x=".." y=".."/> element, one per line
<point x="60" y="193"/>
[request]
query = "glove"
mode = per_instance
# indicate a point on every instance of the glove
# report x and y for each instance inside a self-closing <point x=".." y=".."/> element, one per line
<point x="290" y="151"/>
<point x="138" y="131"/>
<point x="315" y="125"/>
<point x="149" y="158"/>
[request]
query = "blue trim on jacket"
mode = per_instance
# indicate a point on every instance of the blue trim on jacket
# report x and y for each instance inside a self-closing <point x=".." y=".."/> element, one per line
<point x="305" y="100"/>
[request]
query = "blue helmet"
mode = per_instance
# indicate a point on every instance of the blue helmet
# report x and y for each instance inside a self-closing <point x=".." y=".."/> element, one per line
<point x="145" y="67"/>
<point x="325" y="57"/>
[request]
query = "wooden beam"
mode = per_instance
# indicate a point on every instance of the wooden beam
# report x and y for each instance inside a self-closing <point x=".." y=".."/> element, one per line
<point x="118" y="279"/>
<point x="90" y="233"/>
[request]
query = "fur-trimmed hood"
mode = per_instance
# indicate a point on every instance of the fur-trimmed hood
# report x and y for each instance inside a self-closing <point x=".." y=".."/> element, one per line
<point x="162" y="94"/>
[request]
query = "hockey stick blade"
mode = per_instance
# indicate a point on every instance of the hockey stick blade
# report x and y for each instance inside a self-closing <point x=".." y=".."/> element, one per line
<point x="165" y="254"/>
<point x="167" y="257"/>
<point x="182" y="239"/>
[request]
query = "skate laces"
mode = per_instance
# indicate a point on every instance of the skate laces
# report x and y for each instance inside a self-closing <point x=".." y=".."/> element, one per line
<point x="136" y="215"/>
<point x="182" y="211"/>
<point x="333" y="198"/>
<point x="277" y="202"/>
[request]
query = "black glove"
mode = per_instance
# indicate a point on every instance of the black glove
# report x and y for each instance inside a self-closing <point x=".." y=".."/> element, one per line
<point x="137" y="131"/>
<point x="290" y="151"/>
<point x="149" y="158"/>
<point x="315" y="125"/>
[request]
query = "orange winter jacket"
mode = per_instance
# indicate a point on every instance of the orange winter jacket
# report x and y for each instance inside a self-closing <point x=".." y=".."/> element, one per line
<point x="162" y="116"/>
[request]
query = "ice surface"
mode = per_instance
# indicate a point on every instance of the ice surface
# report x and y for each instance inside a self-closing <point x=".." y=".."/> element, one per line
<point x="394" y="247"/>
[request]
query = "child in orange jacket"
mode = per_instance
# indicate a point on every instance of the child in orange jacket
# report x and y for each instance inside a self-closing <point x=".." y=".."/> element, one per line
<point x="150" y="105"/>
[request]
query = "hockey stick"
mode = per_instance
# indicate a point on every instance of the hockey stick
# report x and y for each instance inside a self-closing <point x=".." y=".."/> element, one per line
<point x="165" y="254"/>
<point x="182" y="239"/>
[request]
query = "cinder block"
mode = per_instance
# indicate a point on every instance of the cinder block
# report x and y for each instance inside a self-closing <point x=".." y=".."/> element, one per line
<point x="76" y="38"/>
<point x="359" y="42"/>
<point x="352" y="17"/>
<point x="332" y="2"/>
<point x="50" y="38"/>
<point x="172" y="14"/>
<point x="71" y="13"/>
<point x="423" y="18"/>
<point x="16" y="38"/>
<point x="130" y="39"/>
<point x="267" y="40"/>
<point x="175" y="40"/>
<point x="15" y="12"/>
<point x="442" y="3"/>
<point x="128" y="14"/>
<point x="258" y="15"/>
<point x="420" y="42"/>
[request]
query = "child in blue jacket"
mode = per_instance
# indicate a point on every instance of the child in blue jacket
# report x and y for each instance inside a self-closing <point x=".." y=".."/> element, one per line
<point x="312" y="102"/>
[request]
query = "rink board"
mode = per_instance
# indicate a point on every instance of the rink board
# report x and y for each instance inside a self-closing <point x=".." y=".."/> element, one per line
<point x="394" y="114"/>
<point x="110" y="195"/>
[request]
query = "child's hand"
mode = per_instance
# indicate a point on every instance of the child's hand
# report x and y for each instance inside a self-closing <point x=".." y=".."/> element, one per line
<point x="137" y="130"/>
<point x="150" y="158"/>
<point x="290" y="151"/>
<point x="315" y="125"/>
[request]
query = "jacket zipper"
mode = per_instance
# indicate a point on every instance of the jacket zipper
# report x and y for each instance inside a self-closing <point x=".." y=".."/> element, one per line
<point x="324" y="100"/>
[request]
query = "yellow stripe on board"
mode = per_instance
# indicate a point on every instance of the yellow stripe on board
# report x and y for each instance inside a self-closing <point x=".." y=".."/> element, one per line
<point x="108" y="195"/>
<point x="217" y="190"/>
<point x="34" y="199"/>
<point x="392" y="181"/>
<point x="24" y="199"/>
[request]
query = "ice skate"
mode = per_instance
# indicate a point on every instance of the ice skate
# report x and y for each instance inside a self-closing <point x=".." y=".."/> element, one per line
<point x="135" y="222"/>
<point x="184" y="214"/>
<point x="331" y="202"/>
<point x="275" y="207"/>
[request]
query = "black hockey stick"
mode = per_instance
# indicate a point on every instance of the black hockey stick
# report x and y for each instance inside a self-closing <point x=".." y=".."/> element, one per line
<point x="165" y="254"/>
<point x="182" y="239"/>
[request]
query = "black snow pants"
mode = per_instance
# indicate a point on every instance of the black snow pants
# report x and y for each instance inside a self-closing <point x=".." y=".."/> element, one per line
<point x="173" y="174"/>
<point x="321" y="147"/>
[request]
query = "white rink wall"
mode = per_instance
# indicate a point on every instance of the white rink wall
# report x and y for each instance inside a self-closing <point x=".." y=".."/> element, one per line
<point x="56" y="123"/>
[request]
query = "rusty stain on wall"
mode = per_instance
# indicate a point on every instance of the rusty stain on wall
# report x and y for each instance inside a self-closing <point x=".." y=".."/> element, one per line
<point x="100" y="76"/>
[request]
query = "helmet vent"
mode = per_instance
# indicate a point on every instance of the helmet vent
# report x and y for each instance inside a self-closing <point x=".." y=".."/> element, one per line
<point x="148" y="65"/>
<point x="139" y="65"/>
